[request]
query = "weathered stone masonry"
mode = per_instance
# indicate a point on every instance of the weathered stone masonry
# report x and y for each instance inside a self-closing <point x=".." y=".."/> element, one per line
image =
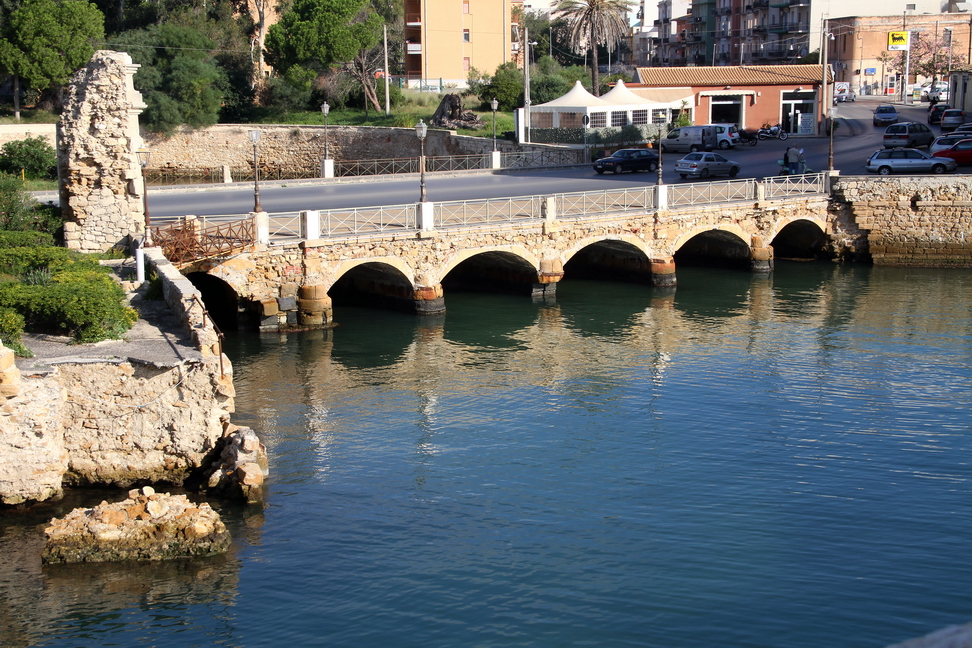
<point x="921" y="221"/>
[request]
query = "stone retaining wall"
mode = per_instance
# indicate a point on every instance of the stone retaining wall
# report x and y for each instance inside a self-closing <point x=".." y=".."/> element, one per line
<point x="303" y="146"/>
<point x="921" y="221"/>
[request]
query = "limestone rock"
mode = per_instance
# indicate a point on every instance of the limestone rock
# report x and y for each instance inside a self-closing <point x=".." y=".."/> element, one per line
<point x="146" y="526"/>
<point x="242" y="466"/>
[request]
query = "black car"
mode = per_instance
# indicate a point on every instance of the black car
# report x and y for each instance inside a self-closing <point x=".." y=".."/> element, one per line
<point x="935" y="113"/>
<point x="628" y="160"/>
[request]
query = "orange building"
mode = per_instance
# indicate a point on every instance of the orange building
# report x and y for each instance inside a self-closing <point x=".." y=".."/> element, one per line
<point x="749" y="96"/>
<point x="445" y="39"/>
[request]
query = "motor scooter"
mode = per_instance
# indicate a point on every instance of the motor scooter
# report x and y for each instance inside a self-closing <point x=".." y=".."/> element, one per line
<point x="772" y="132"/>
<point x="748" y="137"/>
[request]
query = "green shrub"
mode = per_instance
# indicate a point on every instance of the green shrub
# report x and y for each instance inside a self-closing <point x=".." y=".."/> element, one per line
<point x="18" y="261"/>
<point x="25" y="239"/>
<point x="11" y="328"/>
<point x="34" y="156"/>
<point x="16" y="205"/>
<point x="86" y="312"/>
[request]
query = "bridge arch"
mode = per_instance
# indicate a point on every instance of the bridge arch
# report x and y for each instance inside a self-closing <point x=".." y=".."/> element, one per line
<point x="800" y="237"/>
<point x="386" y="283"/>
<point x="220" y="298"/>
<point x="509" y="268"/>
<point x="727" y="245"/>
<point x="619" y="257"/>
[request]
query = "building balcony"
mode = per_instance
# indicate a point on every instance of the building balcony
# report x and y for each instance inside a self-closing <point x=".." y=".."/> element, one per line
<point x="413" y="48"/>
<point x="759" y="29"/>
<point x="413" y="19"/>
<point x="656" y="21"/>
<point x="699" y="59"/>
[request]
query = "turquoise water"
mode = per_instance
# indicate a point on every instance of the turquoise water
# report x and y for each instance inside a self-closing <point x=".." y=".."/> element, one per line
<point x="747" y="461"/>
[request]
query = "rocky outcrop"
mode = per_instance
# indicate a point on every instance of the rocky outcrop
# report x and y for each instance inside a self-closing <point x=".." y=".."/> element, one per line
<point x="146" y="526"/>
<point x="242" y="466"/>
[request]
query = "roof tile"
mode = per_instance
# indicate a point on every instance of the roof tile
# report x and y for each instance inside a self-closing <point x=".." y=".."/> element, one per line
<point x="729" y="75"/>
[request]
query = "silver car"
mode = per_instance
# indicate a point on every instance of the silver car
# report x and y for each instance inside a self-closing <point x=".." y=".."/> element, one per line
<point x="952" y="119"/>
<point x="907" y="160"/>
<point x="703" y="165"/>
<point x="946" y="141"/>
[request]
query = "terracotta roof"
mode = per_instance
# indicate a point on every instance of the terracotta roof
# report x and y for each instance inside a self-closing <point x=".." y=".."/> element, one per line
<point x="723" y="75"/>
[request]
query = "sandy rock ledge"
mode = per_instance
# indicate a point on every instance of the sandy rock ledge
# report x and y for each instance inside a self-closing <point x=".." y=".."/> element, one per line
<point x="146" y="526"/>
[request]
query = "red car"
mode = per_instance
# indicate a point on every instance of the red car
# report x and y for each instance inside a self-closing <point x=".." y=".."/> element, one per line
<point x="961" y="152"/>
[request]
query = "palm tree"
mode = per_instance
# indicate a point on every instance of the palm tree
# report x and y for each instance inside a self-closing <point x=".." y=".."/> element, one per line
<point x="592" y="23"/>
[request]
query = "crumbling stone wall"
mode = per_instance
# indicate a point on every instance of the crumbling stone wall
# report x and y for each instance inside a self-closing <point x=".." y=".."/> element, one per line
<point x="99" y="175"/>
<point x="921" y="221"/>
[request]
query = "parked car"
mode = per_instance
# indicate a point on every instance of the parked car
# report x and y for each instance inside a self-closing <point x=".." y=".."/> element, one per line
<point x="940" y="94"/>
<point x="845" y="96"/>
<point x="885" y="114"/>
<point x="961" y="152"/>
<point x="905" y="160"/>
<point x="628" y="160"/>
<point x="703" y="165"/>
<point x="943" y="142"/>
<point x="964" y="128"/>
<point x="928" y="91"/>
<point x="726" y="134"/>
<point x="935" y="113"/>
<point x="952" y="119"/>
<point x="909" y="134"/>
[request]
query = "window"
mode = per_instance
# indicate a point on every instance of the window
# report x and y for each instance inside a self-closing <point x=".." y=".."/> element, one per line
<point x="619" y="118"/>
<point x="541" y="119"/>
<point x="598" y="120"/>
<point x="465" y="6"/>
<point x="909" y="7"/>
<point x="465" y="35"/>
<point x="659" y="116"/>
<point x="570" y="120"/>
<point x="465" y="63"/>
<point x="639" y="116"/>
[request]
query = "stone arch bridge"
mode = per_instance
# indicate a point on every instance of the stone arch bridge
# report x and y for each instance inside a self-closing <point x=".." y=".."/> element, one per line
<point x="291" y="282"/>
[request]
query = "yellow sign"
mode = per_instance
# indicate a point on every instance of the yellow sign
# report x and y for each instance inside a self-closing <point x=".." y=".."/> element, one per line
<point x="899" y="41"/>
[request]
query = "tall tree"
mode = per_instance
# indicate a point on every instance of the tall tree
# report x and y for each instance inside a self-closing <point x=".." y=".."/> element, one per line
<point x="316" y="35"/>
<point x="47" y="41"/>
<point x="592" y="23"/>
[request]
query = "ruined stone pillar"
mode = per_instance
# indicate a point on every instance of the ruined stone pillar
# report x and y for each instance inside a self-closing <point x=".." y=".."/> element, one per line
<point x="662" y="271"/>
<point x="551" y="272"/>
<point x="314" y="306"/>
<point x="429" y="300"/>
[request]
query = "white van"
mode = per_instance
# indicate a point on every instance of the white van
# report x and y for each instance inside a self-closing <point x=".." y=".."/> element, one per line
<point x="690" y="138"/>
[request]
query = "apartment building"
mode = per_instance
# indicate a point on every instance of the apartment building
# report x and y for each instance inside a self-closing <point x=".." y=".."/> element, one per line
<point x="766" y="32"/>
<point x="445" y="38"/>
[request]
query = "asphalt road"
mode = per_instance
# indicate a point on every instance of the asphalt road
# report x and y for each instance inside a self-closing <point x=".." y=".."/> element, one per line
<point x="855" y="139"/>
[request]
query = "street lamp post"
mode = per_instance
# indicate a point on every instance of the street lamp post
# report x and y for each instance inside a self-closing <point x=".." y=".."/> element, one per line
<point x="494" y="105"/>
<point x="327" y="151"/>
<point x="255" y="138"/>
<point x="421" y="129"/>
<point x="144" y="155"/>
<point x="658" y="141"/>
<point x="830" y="157"/>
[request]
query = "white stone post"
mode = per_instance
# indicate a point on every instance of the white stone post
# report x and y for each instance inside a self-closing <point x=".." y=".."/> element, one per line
<point x="261" y="227"/>
<point x="760" y="192"/>
<point x="831" y="177"/>
<point x="661" y="197"/>
<point x="310" y="224"/>
<point x="227" y="174"/>
<point x="497" y="160"/>
<point x="327" y="168"/>
<point x="426" y="216"/>
<point x="549" y="208"/>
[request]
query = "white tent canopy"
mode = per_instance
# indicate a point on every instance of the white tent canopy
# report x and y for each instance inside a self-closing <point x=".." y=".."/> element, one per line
<point x="620" y="107"/>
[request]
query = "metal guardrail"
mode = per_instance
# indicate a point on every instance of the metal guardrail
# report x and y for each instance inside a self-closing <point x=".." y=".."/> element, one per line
<point x="585" y="203"/>
<point x="368" y="220"/>
<point x="187" y="240"/>
<point x="783" y="186"/>
<point x="705" y="193"/>
<point x="488" y="212"/>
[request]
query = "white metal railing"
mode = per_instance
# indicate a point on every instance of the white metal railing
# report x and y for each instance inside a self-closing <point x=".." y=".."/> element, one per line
<point x="284" y="225"/>
<point x="485" y="212"/>
<point x="793" y="185"/>
<point x="706" y="193"/>
<point x="370" y="220"/>
<point x="584" y="203"/>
